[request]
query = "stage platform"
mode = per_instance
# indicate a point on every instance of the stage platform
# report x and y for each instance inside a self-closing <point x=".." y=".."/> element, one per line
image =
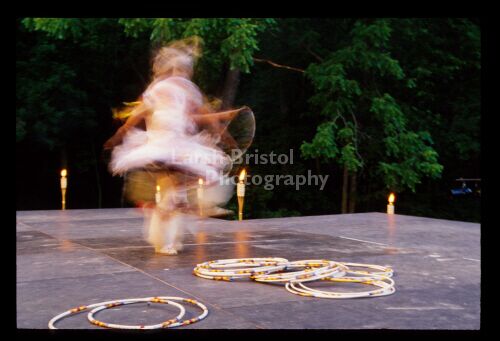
<point x="75" y="257"/>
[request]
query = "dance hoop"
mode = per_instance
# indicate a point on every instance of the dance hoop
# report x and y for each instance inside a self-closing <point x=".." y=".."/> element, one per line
<point x="176" y="322"/>
<point x="276" y="270"/>
<point x="232" y="269"/>
<point x="386" y="288"/>
<point x="324" y="268"/>
<point x="117" y="303"/>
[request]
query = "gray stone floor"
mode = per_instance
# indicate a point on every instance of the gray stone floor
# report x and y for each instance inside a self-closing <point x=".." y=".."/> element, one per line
<point x="75" y="257"/>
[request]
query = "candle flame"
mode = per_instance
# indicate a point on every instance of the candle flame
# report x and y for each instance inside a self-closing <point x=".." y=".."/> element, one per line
<point x="157" y="188"/>
<point x="64" y="172"/>
<point x="200" y="181"/>
<point x="243" y="175"/>
<point x="391" y="198"/>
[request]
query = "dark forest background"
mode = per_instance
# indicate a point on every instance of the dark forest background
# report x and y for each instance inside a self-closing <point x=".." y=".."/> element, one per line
<point x="381" y="105"/>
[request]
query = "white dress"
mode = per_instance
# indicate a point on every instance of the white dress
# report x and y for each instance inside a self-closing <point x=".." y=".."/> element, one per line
<point x="171" y="137"/>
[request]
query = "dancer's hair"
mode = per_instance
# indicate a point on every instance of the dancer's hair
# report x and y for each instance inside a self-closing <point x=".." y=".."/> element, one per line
<point x="178" y="55"/>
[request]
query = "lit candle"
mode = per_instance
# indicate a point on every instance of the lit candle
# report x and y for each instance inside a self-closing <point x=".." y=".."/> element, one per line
<point x="64" y="185"/>
<point x="157" y="195"/>
<point x="199" y="192"/>
<point x="390" y="206"/>
<point x="240" y="192"/>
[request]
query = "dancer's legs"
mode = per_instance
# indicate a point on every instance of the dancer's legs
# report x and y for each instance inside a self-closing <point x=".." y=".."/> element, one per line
<point x="156" y="235"/>
<point x="174" y="231"/>
<point x="158" y="217"/>
<point x="166" y="222"/>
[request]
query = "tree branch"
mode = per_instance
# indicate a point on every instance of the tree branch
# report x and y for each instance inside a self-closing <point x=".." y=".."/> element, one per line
<point x="342" y="117"/>
<point x="356" y="135"/>
<point x="278" y="65"/>
<point x="308" y="48"/>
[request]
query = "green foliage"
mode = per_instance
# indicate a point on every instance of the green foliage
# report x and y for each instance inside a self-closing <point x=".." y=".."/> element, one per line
<point x="60" y="28"/>
<point x="349" y="158"/>
<point x="234" y="40"/>
<point x="346" y="134"/>
<point x="241" y="42"/>
<point x="414" y="157"/>
<point x="389" y="113"/>
<point x="368" y="50"/>
<point x="50" y="106"/>
<point x="334" y="92"/>
<point x="347" y="86"/>
<point x="135" y="26"/>
<point x="231" y="41"/>
<point x="445" y="78"/>
<point x="323" y="144"/>
<point x="165" y="30"/>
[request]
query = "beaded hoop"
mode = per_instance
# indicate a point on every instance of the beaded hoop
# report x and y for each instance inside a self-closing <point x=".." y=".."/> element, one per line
<point x="192" y="320"/>
<point x="238" y="262"/>
<point x="386" y="288"/>
<point x="117" y="303"/>
<point x="325" y="268"/>
<point x="74" y="311"/>
<point x="178" y="323"/>
<point x="231" y="269"/>
<point x="385" y="271"/>
<point x="271" y="270"/>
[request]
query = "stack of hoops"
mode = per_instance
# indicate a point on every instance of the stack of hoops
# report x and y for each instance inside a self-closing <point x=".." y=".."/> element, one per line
<point x="172" y="323"/>
<point x="294" y="274"/>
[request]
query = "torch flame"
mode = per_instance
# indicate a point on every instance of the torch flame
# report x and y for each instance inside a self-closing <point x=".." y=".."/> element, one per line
<point x="391" y="198"/>
<point x="243" y="175"/>
<point x="200" y="181"/>
<point x="64" y="172"/>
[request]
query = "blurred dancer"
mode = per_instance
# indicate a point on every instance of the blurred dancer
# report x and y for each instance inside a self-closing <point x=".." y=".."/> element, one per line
<point x="171" y="139"/>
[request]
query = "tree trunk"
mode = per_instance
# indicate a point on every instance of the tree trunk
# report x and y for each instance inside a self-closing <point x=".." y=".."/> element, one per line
<point x="230" y="88"/>
<point x="345" y="184"/>
<point x="284" y="108"/>
<point x="98" y="178"/>
<point x="318" y="166"/>
<point x="352" y="193"/>
<point x="64" y="157"/>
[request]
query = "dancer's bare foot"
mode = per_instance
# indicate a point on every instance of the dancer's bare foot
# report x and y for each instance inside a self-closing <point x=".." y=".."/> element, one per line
<point x="218" y="212"/>
<point x="168" y="250"/>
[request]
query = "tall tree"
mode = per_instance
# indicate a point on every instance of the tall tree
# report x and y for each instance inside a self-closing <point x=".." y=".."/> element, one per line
<point x="353" y="97"/>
